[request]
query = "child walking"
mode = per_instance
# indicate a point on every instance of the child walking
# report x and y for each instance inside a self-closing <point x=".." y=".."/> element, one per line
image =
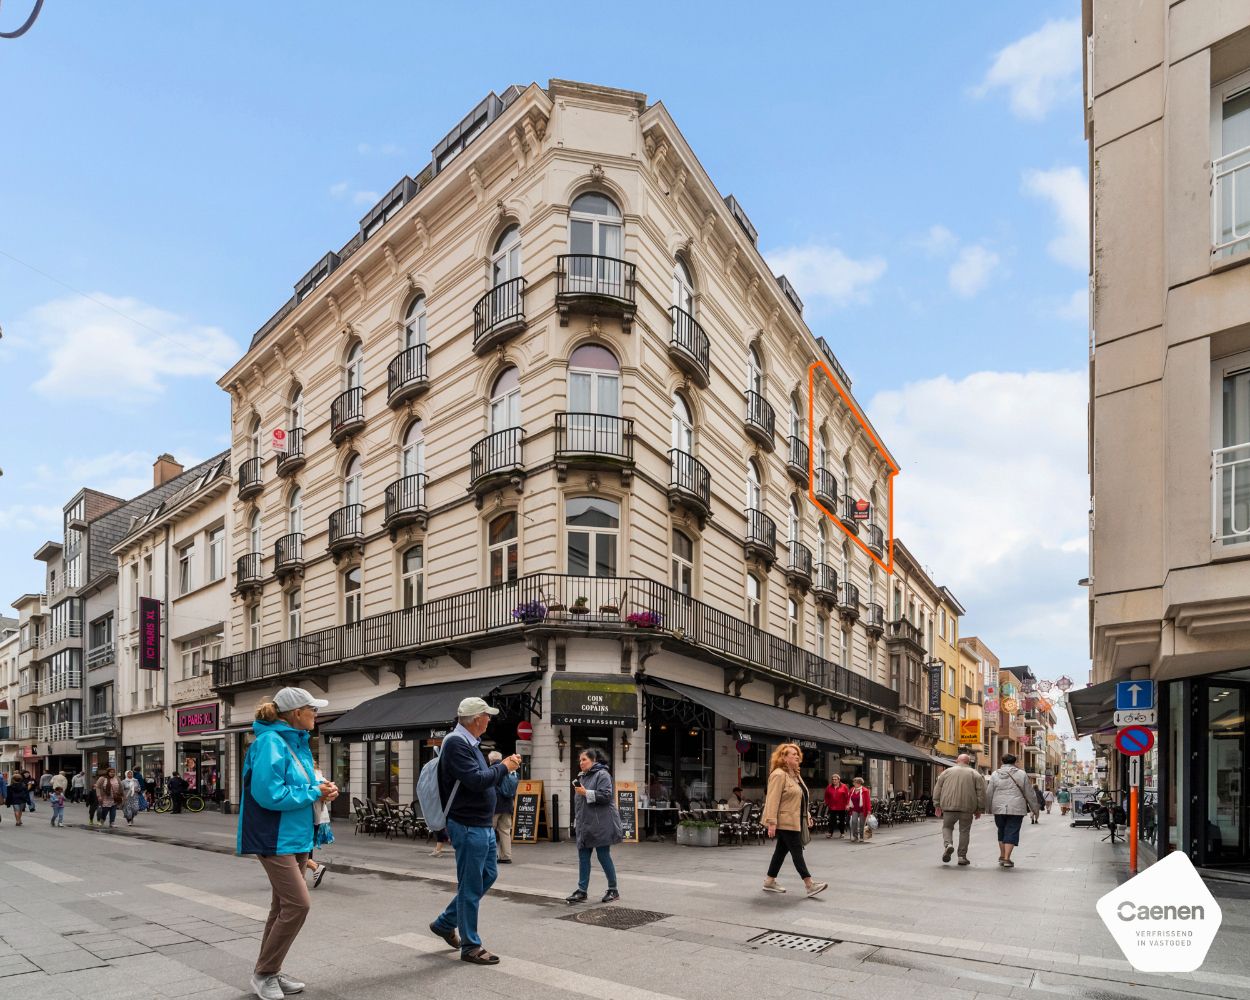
<point x="57" y="800"/>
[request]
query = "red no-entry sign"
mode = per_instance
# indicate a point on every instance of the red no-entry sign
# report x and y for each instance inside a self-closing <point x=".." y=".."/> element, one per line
<point x="524" y="731"/>
<point x="1134" y="740"/>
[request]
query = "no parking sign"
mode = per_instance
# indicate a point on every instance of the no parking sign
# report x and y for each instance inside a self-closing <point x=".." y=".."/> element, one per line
<point x="1134" y="740"/>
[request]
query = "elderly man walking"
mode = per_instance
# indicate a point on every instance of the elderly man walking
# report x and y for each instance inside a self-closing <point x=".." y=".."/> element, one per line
<point x="467" y="786"/>
<point x="959" y="797"/>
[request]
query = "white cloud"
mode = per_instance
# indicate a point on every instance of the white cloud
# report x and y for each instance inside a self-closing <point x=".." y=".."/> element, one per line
<point x="119" y="350"/>
<point x="938" y="241"/>
<point x="1068" y="193"/>
<point x="38" y="518"/>
<point x="993" y="496"/>
<point x="1076" y="308"/>
<point x="1038" y="70"/>
<point x="824" y="272"/>
<point x="345" y="192"/>
<point x="971" y="271"/>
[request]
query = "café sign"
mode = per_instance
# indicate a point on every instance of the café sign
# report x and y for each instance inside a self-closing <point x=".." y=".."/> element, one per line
<point x="594" y="700"/>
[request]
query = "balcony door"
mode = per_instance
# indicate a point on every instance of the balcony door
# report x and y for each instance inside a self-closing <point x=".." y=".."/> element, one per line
<point x="683" y="426"/>
<point x="592" y="526"/>
<point x="755" y="495"/>
<point x="595" y="228"/>
<point x="253" y="533"/>
<point x="505" y="401"/>
<point x="297" y="409"/>
<point x="295" y="513"/>
<point x="1232" y="457"/>
<point x="412" y="461"/>
<point x="595" y="402"/>
<point x="505" y="263"/>
<point x="1231" y="143"/>
<point x="351" y="482"/>
<point x="354" y="377"/>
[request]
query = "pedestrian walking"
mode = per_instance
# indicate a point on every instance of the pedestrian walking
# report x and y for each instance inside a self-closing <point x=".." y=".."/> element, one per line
<point x="788" y="818"/>
<point x="959" y="798"/>
<point x="178" y="786"/>
<point x="93" y="804"/>
<point x="1037" y="801"/>
<point x="45" y="785"/>
<point x="130" y="798"/>
<point x="504" y="801"/>
<point x="108" y="792"/>
<point x="860" y="800"/>
<point x="1049" y="799"/>
<point x="17" y="797"/>
<point x="4" y="792"/>
<point x="838" y="799"/>
<point x="323" y="835"/>
<point x="276" y="823"/>
<point x="467" y="788"/>
<point x="1008" y="799"/>
<point x="76" y="787"/>
<point x="57" y="801"/>
<point x="596" y="823"/>
<point x="1065" y="800"/>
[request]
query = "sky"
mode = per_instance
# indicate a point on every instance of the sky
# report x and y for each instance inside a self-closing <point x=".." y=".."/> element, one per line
<point x="917" y="170"/>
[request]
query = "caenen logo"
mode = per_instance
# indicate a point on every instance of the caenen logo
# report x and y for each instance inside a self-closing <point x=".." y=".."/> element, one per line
<point x="1129" y="910"/>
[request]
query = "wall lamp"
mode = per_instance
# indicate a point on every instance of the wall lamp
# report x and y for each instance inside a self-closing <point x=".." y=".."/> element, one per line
<point x="625" y="745"/>
<point x="561" y="743"/>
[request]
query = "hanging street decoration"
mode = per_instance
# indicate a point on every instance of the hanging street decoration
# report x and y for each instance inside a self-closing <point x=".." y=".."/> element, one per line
<point x="1010" y="706"/>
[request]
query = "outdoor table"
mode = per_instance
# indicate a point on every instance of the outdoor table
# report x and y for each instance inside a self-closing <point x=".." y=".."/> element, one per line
<point x="652" y="811"/>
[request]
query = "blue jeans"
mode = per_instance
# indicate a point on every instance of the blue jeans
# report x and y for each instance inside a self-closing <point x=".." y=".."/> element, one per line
<point x="58" y="815"/>
<point x="1009" y="829"/>
<point x="106" y="811"/>
<point x="605" y="862"/>
<point x="476" y="871"/>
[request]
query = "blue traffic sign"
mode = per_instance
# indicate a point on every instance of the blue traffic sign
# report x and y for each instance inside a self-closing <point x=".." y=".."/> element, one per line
<point x="1130" y="695"/>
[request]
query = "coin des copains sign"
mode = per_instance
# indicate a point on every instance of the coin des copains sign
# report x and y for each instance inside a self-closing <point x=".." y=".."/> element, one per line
<point x="1165" y="919"/>
<point x="149" y="633"/>
<point x="594" y="700"/>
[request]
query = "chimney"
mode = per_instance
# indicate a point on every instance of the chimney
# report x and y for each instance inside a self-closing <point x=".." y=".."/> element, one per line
<point x="164" y="469"/>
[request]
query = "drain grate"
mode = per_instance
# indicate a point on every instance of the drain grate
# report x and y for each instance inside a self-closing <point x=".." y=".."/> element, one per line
<point x="618" y="917"/>
<point x="794" y="942"/>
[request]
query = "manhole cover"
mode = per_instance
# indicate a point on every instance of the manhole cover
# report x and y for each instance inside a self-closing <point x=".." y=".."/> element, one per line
<point x="619" y="917"/>
<point x="794" y="942"/>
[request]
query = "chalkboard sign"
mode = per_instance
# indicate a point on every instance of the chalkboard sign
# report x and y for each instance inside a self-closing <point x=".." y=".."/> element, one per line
<point x="528" y="813"/>
<point x="627" y="805"/>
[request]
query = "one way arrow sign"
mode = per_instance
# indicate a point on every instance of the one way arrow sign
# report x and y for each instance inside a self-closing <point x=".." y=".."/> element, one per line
<point x="1130" y="695"/>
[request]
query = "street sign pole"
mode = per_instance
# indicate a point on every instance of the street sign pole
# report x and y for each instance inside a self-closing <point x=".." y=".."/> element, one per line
<point x="1134" y="779"/>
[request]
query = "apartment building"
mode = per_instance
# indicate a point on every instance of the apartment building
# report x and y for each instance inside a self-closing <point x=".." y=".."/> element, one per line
<point x="992" y="724"/>
<point x="946" y="651"/>
<point x="972" y="730"/>
<point x="1167" y="96"/>
<point x="532" y="451"/>
<point x="10" y="748"/>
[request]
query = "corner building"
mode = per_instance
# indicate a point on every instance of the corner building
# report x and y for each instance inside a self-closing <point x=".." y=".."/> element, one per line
<point x="547" y="443"/>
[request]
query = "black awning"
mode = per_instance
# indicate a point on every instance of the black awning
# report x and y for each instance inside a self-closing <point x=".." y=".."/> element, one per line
<point x="884" y="745"/>
<point x="1092" y="708"/>
<point x="421" y="712"/>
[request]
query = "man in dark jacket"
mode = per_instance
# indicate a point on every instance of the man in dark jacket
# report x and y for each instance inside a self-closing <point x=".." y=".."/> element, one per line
<point x="177" y="791"/>
<point x="467" y="787"/>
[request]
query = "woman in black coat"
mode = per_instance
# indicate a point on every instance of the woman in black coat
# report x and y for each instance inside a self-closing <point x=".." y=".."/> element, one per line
<point x="18" y="797"/>
<point x="597" y="822"/>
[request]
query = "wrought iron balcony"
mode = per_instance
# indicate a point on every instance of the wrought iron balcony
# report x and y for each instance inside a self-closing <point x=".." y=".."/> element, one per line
<point x="876" y="540"/>
<point x="288" y="554"/>
<point x="347" y="414"/>
<point x="760" y="420"/>
<point x="405" y="504"/>
<point x="874" y="620"/>
<point x="904" y="631"/>
<point x="799" y="565"/>
<point x="496" y="461"/>
<point x="689" y="347"/>
<point x="347" y="529"/>
<point x="847" y="514"/>
<point x="249" y="572"/>
<point x="827" y="489"/>
<point x="498" y="315"/>
<point x="797" y="462"/>
<point x="825" y="583"/>
<point x="848" y="602"/>
<point x="406" y="375"/>
<point x="603" y="286"/>
<point x="250" y="483"/>
<point x="689" y="484"/>
<point x="293" y="460"/>
<point x="594" y="441"/>
<point x="761" y="537"/>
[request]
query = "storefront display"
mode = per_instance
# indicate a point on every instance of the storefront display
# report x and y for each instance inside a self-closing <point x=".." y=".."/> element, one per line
<point x="200" y="764"/>
<point x="149" y="759"/>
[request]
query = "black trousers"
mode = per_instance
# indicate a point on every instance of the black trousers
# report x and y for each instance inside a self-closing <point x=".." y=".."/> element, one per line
<point x="788" y="842"/>
<point x="837" y="820"/>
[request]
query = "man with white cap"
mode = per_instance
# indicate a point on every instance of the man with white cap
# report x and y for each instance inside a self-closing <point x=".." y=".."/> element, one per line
<point x="467" y="786"/>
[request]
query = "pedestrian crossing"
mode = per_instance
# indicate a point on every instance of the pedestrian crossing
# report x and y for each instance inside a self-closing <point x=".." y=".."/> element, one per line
<point x="235" y="906"/>
<point x="44" y="872"/>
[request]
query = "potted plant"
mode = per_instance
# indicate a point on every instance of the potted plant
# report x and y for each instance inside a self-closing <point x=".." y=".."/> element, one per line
<point x="530" y="612"/>
<point x="580" y="607"/>
<point x="645" y="619"/>
<point x="609" y="609"/>
<point x="698" y="832"/>
<point x="556" y="610"/>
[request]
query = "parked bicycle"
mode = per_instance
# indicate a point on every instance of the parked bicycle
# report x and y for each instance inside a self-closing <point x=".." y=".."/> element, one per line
<point x="191" y="802"/>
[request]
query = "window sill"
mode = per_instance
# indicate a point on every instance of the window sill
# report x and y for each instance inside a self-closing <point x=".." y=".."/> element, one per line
<point x="1237" y="552"/>
<point x="195" y="590"/>
<point x="1224" y="263"/>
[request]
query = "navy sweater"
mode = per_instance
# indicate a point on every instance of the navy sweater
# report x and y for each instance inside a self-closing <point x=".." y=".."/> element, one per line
<point x="475" y="801"/>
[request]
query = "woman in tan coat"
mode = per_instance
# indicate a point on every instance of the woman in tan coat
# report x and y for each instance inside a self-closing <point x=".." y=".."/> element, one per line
<point x="787" y="817"/>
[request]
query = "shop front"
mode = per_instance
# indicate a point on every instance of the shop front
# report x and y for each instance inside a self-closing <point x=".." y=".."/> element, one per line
<point x="148" y="759"/>
<point x="594" y="707"/>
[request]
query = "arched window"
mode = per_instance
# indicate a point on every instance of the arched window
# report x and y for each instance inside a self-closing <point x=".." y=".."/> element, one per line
<point x="822" y="542"/>
<point x="351" y="596"/>
<point x="254" y="439"/>
<point x="755" y="372"/>
<point x="505" y="261"/>
<point x="683" y="287"/>
<point x="592" y="525"/>
<point x="414" y="323"/>
<point x="505" y="401"/>
<point x="795" y="526"/>
<point x="253" y="626"/>
<point x="351" y="482"/>
<point x="683" y="426"/>
<point x="412" y="459"/>
<point x="595" y="394"/>
<point x="296" y="412"/>
<point x="354" y="367"/>
<point x="294" y="613"/>
<point x="502" y="548"/>
<point x="847" y="487"/>
<point x="295" y="512"/>
<point x="755" y="495"/>
<point x="595" y="225"/>
<point x="253" y="532"/>
<point x="412" y="573"/>
<point x="792" y="621"/>
<point x="796" y="422"/>
<point x="755" y="598"/>
<point x="683" y="563"/>
<point x="872" y="584"/>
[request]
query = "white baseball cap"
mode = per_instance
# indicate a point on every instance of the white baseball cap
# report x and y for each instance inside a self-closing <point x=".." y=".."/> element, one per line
<point x="289" y="699"/>
<point x="474" y="706"/>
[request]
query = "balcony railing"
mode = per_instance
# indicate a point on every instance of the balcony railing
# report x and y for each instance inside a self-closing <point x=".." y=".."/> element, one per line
<point x="595" y="434"/>
<point x="66" y="680"/>
<point x="497" y="457"/>
<point x="487" y="614"/>
<point x="347" y="527"/>
<point x="902" y="630"/>
<point x="689" y="346"/>
<point x="848" y="513"/>
<point x="347" y="414"/>
<point x="101" y="655"/>
<point x="405" y="501"/>
<point x="58" y="632"/>
<point x="760" y="420"/>
<point x="874" y="619"/>
<point x="250" y="478"/>
<point x="288" y="552"/>
<point x="827" y="489"/>
<point x="58" y="731"/>
<point x="498" y="314"/>
<point x="249" y="569"/>
<point x="825" y="581"/>
<point x="876" y="539"/>
<point x="292" y="460"/>
<point x="761" y="536"/>
<point x="406" y="375"/>
<point x="607" y="281"/>
<point x="100" y="725"/>
<point x="848" y="600"/>
<point x="799" y="564"/>
<point x="689" y="480"/>
<point x="796" y="464"/>
<point x="1230" y="202"/>
<point x="1230" y="494"/>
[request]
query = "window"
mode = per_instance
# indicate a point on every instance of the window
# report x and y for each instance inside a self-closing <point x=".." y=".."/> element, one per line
<point x="898" y="603"/>
<point x="754" y="599"/>
<point x="253" y="626"/>
<point x="872" y="584"/>
<point x="198" y="654"/>
<point x="846" y="648"/>
<point x="412" y="575"/>
<point x="755" y="372"/>
<point x="928" y="634"/>
<point x="412" y="459"/>
<point x="351" y="481"/>
<point x="505" y="401"/>
<point x="502" y="549"/>
<point x="683" y="287"/>
<point x="294" y="607"/>
<point x="101" y="632"/>
<point x="822" y="542"/>
<point x="186" y="567"/>
<point x="217" y="554"/>
<point x="950" y="680"/>
<point x="1230" y="143"/>
<point x="295" y="512"/>
<point x="755" y="499"/>
<point x="595" y="226"/>
<point x="795" y="529"/>
<point x="796" y="424"/>
<point x="253" y="532"/>
<point x="505" y="261"/>
<point x="822" y="452"/>
<point x="1232" y="450"/>
<point x="296" y="414"/>
<point x="822" y="630"/>
<point x="683" y="563"/>
<point x="351" y="596"/>
<point x="683" y="426"/>
<point x="792" y="621"/>
<point x="254" y="439"/>
<point x="414" y="323"/>
<point x="942" y="619"/>
<point x="354" y="373"/>
<point x="592" y="525"/>
<point x="595" y="393"/>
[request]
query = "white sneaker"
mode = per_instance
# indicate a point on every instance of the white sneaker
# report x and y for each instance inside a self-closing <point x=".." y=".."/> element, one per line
<point x="289" y="985"/>
<point x="267" y="987"/>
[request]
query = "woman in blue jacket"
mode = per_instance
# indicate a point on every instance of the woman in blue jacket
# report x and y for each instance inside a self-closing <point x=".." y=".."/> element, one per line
<point x="279" y="789"/>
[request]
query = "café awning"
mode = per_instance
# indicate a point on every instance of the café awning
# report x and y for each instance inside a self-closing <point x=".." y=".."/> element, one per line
<point x="1092" y="708"/>
<point x="419" y="712"/>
